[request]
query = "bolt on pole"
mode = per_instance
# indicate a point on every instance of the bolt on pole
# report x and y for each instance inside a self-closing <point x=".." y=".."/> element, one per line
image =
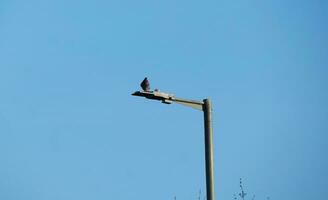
<point x="207" y="108"/>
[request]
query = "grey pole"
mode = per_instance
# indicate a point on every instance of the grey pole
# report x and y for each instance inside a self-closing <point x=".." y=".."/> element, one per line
<point x="207" y="108"/>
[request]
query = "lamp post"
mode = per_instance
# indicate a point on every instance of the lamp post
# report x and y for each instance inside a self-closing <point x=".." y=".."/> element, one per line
<point x="204" y="106"/>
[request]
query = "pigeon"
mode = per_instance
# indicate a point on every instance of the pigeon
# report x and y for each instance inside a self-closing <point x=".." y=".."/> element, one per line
<point x="145" y="85"/>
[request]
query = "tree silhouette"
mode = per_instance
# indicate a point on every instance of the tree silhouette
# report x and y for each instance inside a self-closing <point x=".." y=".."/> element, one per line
<point x="242" y="194"/>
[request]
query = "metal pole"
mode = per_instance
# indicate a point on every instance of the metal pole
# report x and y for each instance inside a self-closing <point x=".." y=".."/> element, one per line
<point x="210" y="195"/>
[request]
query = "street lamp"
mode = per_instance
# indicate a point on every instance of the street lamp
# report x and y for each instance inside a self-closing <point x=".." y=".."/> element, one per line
<point x="204" y="106"/>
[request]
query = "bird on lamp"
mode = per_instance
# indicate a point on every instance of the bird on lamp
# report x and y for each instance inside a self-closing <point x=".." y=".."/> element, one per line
<point x="145" y="85"/>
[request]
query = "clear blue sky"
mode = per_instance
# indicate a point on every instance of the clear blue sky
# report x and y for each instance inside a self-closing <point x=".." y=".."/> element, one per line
<point x="69" y="128"/>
